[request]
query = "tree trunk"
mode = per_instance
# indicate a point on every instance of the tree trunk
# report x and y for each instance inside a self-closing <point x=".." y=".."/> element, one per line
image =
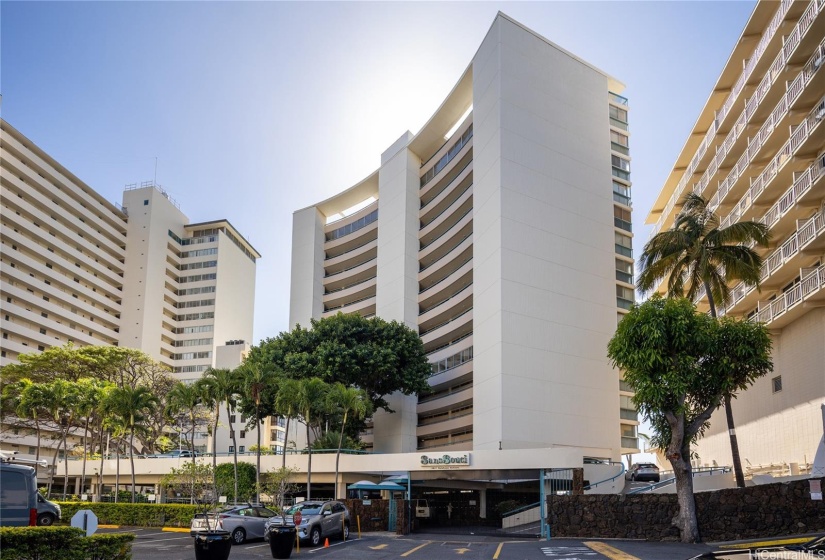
<point x="192" y="495"/>
<point x="685" y="519"/>
<point x="132" y="460"/>
<point x="734" y="445"/>
<point x="53" y="470"/>
<point x="102" y="458"/>
<point x="65" y="462"/>
<point x="309" y="466"/>
<point x="117" y="470"/>
<point x="258" y="462"/>
<point x="283" y="447"/>
<point x="234" y="448"/>
<point x="215" y="452"/>
<point x="338" y="454"/>
<point x="85" y="453"/>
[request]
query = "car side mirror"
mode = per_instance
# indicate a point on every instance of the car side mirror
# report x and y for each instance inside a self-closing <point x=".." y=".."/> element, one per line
<point x="326" y="513"/>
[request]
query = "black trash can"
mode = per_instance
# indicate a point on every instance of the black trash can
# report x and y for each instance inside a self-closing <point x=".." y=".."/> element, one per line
<point x="281" y="541"/>
<point x="214" y="545"/>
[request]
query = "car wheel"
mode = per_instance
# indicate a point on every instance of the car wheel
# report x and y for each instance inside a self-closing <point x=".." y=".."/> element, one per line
<point x="238" y="536"/>
<point x="345" y="534"/>
<point x="315" y="536"/>
<point x="45" y="520"/>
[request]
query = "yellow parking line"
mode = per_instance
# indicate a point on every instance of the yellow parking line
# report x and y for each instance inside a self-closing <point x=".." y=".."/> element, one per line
<point x="173" y="529"/>
<point x="609" y="551"/>
<point x="108" y="526"/>
<point x="498" y="551"/>
<point x="419" y="547"/>
<point x="796" y="540"/>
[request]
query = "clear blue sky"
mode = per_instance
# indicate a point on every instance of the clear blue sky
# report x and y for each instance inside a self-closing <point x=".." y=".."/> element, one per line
<point x="257" y="109"/>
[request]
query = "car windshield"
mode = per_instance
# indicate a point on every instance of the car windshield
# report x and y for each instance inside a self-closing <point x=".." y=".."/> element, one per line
<point x="306" y="508"/>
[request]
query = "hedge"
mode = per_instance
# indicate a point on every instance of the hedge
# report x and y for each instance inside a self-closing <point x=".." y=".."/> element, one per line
<point x="62" y="543"/>
<point x="137" y="515"/>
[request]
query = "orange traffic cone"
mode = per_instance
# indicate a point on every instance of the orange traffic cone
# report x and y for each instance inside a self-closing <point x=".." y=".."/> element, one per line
<point x="326" y="542"/>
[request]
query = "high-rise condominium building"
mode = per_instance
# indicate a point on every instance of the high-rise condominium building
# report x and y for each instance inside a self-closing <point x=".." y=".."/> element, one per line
<point x="501" y="233"/>
<point x="757" y="152"/>
<point x="77" y="268"/>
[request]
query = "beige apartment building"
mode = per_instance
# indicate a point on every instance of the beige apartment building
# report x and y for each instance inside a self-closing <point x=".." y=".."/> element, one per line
<point x="757" y="152"/>
<point x="501" y="232"/>
<point x="77" y="268"/>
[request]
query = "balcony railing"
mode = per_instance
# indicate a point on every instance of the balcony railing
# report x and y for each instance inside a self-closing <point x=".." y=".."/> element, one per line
<point x="812" y="283"/>
<point x="790" y="45"/>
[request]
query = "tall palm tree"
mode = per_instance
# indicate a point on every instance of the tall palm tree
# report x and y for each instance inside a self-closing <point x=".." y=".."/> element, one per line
<point x="254" y="381"/>
<point x="188" y="399"/>
<point x="132" y="405"/>
<point x="61" y="399"/>
<point x="285" y="404"/>
<point x="223" y="386"/>
<point x="347" y="400"/>
<point x="311" y="394"/>
<point x="91" y="395"/>
<point x="31" y="403"/>
<point x="696" y="253"/>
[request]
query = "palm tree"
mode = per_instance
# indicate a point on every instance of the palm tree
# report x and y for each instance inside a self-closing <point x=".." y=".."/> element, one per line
<point x="31" y="403"/>
<point x="285" y="404"/>
<point x="91" y="394"/>
<point x="697" y="254"/>
<point x="347" y="400"/>
<point x="255" y="380"/>
<point x="187" y="399"/>
<point x="132" y="405"/>
<point x="222" y="386"/>
<point x="61" y="399"/>
<point x="311" y="393"/>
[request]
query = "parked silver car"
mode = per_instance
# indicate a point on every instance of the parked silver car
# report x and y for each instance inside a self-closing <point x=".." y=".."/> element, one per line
<point x="319" y="520"/>
<point x="643" y="471"/>
<point x="243" y="522"/>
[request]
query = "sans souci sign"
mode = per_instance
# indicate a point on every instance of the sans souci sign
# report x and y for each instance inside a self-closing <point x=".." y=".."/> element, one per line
<point x="446" y="461"/>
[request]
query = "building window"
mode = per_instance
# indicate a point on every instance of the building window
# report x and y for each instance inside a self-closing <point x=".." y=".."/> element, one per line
<point x="621" y="193"/>
<point x="624" y="271"/>
<point x="776" y="383"/>
<point x="146" y="202"/>
<point x="232" y="449"/>
<point x="243" y="434"/>
<point x="624" y="297"/>
<point x="241" y="449"/>
<point x="624" y="245"/>
<point x="622" y="219"/>
<point x="232" y="419"/>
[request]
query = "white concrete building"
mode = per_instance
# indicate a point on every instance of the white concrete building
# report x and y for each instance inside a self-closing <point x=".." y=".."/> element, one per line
<point x="757" y="152"/>
<point x="77" y="268"/>
<point x="501" y="232"/>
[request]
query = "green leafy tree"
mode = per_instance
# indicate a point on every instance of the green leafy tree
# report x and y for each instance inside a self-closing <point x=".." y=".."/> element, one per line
<point x="191" y="479"/>
<point x="381" y="357"/>
<point x="227" y="482"/>
<point x="681" y="364"/>
<point x="348" y="401"/>
<point x="132" y="405"/>
<point x="697" y="254"/>
<point x="278" y="483"/>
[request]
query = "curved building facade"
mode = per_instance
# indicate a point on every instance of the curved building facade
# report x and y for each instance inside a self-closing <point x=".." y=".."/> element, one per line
<point x="490" y="233"/>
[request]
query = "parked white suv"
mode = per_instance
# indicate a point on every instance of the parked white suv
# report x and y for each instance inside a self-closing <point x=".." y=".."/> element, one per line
<point x="319" y="520"/>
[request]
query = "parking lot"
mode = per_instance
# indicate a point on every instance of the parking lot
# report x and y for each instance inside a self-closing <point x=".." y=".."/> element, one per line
<point x="151" y="544"/>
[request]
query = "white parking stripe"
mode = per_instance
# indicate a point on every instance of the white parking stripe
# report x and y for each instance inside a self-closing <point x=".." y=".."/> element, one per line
<point x="139" y="542"/>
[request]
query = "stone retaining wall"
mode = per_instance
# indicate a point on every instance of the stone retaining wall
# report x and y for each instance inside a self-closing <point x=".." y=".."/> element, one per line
<point x="731" y="514"/>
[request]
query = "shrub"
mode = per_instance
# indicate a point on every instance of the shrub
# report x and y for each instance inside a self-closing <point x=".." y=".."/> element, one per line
<point x="62" y="543"/>
<point x="138" y="515"/>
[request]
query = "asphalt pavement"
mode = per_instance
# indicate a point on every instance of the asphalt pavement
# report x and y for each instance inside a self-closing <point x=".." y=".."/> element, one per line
<point x="151" y="544"/>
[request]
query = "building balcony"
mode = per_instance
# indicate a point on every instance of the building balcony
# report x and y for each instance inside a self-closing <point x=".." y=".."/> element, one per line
<point x="456" y="262"/>
<point x="364" y="306"/>
<point x="357" y="255"/>
<point x="446" y="288"/>
<point x="349" y="242"/>
<point x="792" y="304"/>
<point x="450" y="347"/>
<point x="458" y="302"/>
<point x="445" y="400"/>
<point x="447" y="218"/>
<point x="350" y="276"/>
<point x="450" y="330"/>
<point x="450" y="423"/>
<point x="350" y="292"/>
<point x="447" y="241"/>
<point x="438" y="204"/>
